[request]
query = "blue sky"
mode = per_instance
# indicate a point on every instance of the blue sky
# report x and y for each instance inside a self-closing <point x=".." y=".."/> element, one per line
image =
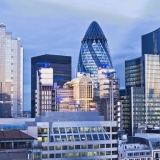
<point x="58" y="26"/>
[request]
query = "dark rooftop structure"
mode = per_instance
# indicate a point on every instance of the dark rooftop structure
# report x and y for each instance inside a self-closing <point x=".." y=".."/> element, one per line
<point x="14" y="134"/>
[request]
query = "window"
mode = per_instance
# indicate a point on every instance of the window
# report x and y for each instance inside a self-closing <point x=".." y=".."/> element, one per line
<point x="55" y="131"/>
<point x="89" y="154"/>
<point x="96" y="153"/>
<point x="44" y="156"/>
<point x="93" y="129"/>
<point x="130" y="154"/>
<point x="95" y="137"/>
<point x="58" y="147"/>
<point x="81" y="129"/>
<point x="90" y="146"/>
<point x="51" y="156"/>
<point x="62" y="130"/>
<point x="136" y="154"/>
<point x="77" y="154"/>
<point x="114" y="145"/>
<point x="106" y="137"/>
<point x="102" y="145"/>
<point x="108" y="146"/>
<point x="107" y="129"/>
<point x="64" y="147"/>
<point x="51" y="148"/>
<point x="57" y="138"/>
<point x="51" y="139"/>
<point x="42" y="130"/>
<point x="102" y="153"/>
<point x="44" y="139"/>
<point x="141" y="153"/>
<point x="63" y="138"/>
<point x="77" y="146"/>
<point x="68" y="130"/>
<point x="87" y="129"/>
<point x="108" y="153"/>
<point x="83" y="138"/>
<point x="96" y="145"/>
<point x="76" y="138"/>
<point x="83" y="146"/>
<point x="58" y="155"/>
<point x="99" y="129"/>
<point x="74" y="129"/>
<point x="114" y="136"/>
<point x="84" y="154"/>
<point x="101" y="137"/>
<point x="114" y="129"/>
<point x="70" y="155"/>
<point x="114" y="153"/>
<point x="71" y="146"/>
<point x="64" y="155"/>
<point x="70" y="138"/>
<point x="89" y="137"/>
<point x="44" y="148"/>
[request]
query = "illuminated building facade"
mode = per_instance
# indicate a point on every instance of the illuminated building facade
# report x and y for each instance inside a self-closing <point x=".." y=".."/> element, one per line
<point x="82" y="92"/>
<point x="45" y="98"/>
<point x="11" y="75"/>
<point x="94" y="52"/>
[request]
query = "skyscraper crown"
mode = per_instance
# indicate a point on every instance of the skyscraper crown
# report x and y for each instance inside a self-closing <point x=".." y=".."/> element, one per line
<point x="94" y="32"/>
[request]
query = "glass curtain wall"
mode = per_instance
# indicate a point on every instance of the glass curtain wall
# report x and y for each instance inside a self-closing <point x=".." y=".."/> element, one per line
<point x="152" y="88"/>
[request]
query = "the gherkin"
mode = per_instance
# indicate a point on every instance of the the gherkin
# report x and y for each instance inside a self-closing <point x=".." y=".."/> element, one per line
<point x="94" y="51"/>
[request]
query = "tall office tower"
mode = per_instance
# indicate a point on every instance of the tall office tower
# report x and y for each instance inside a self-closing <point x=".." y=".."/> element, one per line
<point x="151" y="42"/>
<point x="94" y="52"/>
<point x="61" y="72"/>
<point x="44" y="93"/>
<point x="109" y="93"/>
<point x="142" y="94"/>
<point x="11" y="75"/>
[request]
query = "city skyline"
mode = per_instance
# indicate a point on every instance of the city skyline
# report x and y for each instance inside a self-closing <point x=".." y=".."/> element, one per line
<point x="52" y="29"/>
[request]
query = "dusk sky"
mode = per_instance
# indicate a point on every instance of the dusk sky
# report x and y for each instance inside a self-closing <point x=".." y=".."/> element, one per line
<point x="58" y="26"/>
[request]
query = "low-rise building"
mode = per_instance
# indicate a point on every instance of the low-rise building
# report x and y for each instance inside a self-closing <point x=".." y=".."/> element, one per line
<point x="76" y="135"/>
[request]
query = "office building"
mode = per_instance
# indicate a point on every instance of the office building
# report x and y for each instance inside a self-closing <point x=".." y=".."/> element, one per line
<point x="142" y="93"/>
<point x="143" y="146"/>
<point x="64" y="99"/>
<point x="61" y="72"/>
<point x="94" y="52"/>
<point x="109" y="95"/>
<point x="76" y="135"/>
<point x="82" y="92"/>
<point x="151" y="43"/>
<point x="11" y="75"/>
<point x="44" y="94"/>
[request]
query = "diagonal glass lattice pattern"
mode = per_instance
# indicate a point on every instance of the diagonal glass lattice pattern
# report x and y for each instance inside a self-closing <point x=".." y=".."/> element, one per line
<point x="94" y="51"/>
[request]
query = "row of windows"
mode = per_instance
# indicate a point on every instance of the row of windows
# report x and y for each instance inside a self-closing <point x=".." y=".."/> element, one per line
<point x="82" y="137"/>
<point x="139" y="153"/>
<point x="140" y="159"/>
<point x="77" y="130"/>
<point x="79" y="154"/>
<point x="70" y="147"/>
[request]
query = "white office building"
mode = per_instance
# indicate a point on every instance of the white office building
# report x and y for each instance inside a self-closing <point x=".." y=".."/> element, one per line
<point x="143" y="146"/>
<point x="75" y="135"/>
<point x="11" y="75"/>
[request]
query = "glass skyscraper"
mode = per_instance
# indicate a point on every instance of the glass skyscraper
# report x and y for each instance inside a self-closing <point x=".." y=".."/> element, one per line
<point x="61" y="72"/>
<point x="94" y="52"/>
<point x="11" y="75"/>
<point x="141" y="98"/>
<point x="151" y="43"/>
